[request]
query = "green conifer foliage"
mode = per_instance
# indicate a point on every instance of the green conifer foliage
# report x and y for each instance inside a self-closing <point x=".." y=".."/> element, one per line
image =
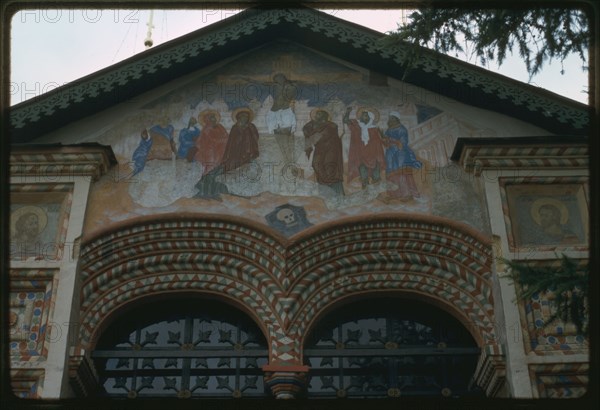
<point x="537" y="34"/>
<point x="568" y="282"/>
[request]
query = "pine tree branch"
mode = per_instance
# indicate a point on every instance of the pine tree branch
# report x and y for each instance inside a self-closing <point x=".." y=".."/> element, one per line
<point x="568" y="283"/>
<point x="538" y="35"/>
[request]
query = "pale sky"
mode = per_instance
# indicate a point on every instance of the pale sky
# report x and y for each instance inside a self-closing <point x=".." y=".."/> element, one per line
<point x="52" y="47"/>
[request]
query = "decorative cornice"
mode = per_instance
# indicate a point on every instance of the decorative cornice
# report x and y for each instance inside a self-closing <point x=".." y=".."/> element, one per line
<point x="91" y="160"/>
<point x="560" y="380"/>
<point x="27" y="383"/>
<point x="477" y="154"/>
<point x="108" y="81"/>
<point x="490" y="373"/>
<point x="82" y="376"/>
<point x="286" y="382"/>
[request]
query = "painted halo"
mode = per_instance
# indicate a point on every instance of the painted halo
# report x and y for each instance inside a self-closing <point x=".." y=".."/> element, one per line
<point x="313" y="113"/>
<point x="373" y="110"/>
<point x="538" y="203"/>
<point x="202" y="116"/>
<point x="237" y="111"/>
<point x="28" y="209"/>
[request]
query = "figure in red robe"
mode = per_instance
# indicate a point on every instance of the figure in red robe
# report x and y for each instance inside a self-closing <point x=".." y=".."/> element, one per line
<point x="242" y="146"/>
<point x="211" y="143"/>
<point x="328" y="163"/>
<point x="365" y="156"/>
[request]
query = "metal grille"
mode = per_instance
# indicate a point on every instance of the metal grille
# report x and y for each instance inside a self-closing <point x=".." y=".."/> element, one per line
<point x="209" y="350"/>
<point x="390" y="348"/>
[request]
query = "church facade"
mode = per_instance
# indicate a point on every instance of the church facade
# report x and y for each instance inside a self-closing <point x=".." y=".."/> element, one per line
<point x="277" y="206"/>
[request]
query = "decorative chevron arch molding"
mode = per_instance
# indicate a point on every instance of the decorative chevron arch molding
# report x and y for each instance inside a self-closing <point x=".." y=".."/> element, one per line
<point x="435" y="258"/>
<point x="476" y="317"/>
<point x="285" y="284"/>
<point x="232" y="260"/>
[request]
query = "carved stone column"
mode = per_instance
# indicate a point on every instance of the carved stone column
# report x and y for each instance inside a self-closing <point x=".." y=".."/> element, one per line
<point x="286" y="382"/>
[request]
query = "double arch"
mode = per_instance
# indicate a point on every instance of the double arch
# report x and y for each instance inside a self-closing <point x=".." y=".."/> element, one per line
<point x="286" y="285"/>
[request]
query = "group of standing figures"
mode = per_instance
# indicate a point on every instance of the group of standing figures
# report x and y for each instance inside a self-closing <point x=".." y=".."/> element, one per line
<point x="371" y="150"/>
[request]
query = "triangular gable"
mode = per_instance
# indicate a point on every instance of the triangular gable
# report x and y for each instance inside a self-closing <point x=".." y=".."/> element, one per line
<point x="440" y="74"/>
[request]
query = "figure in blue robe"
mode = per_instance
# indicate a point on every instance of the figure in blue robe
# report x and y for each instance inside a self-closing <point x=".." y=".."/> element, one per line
<point x="187" y="138"/>
<point x="398" y="154"/>
<point x="166" y="132"/>
<point x="141" y="153"/>
<point x="400" y="160"/>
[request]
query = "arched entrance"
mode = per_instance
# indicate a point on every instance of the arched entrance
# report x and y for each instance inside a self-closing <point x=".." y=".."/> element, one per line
<point x="181" y="347"/>
<point x="390" y="347"/>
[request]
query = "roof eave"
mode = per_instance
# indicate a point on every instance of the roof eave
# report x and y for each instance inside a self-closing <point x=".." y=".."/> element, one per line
<point x="435" y="72"/>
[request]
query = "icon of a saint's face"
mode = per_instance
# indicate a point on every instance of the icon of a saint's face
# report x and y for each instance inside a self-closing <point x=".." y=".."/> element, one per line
<point x="27" y="223"/>
<point x="552" y="216"/>
<point x="549" y="216"/>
